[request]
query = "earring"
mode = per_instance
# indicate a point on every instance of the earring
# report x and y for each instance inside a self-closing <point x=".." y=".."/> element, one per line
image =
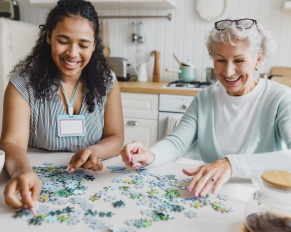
<point x="256" y="69"/>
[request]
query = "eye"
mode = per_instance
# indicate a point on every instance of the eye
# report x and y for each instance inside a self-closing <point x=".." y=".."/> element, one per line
<point x="83" y="46"/>
<point x="239" y="61"/>
<point x="62" y="42"/>
<point x="221" y="60"/>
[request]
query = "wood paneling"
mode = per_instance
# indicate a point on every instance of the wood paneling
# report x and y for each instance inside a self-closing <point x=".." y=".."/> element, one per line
<point x="185" y="33"/>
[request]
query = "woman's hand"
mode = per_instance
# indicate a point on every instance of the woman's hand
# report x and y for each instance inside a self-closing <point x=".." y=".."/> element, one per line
<point x="87" y="159"/>
<point x="209" y="177"/>
<point x="136" y="155"/>
<point x="27" y="184"/>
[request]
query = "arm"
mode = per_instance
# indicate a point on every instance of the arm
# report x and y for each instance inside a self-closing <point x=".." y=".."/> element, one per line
<point x="251" y="164"/>
<point x="268" y="157"/>
<point x="169" y="148"/>
<point x="112" y="138"/>
<point x="14" y="140"/>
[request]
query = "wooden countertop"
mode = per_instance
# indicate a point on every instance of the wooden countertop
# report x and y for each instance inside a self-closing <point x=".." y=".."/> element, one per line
<point x="154" y="87"/>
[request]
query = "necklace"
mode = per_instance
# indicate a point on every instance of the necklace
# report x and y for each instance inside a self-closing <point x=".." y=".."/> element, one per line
<point x="70" y="103"/>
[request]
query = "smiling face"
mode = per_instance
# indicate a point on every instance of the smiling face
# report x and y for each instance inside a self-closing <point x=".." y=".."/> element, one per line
<point x="235" y="65"/>
<point x="72" y="44"/>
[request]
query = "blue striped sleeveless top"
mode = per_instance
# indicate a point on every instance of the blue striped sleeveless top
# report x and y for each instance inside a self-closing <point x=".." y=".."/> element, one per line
<point x="43" y="119"/>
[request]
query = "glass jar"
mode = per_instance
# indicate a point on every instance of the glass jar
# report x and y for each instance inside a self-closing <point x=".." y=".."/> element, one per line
<point x="269" y="207"/>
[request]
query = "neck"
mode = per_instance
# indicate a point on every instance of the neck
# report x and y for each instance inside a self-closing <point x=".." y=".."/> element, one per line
<point x="71" y="80"/>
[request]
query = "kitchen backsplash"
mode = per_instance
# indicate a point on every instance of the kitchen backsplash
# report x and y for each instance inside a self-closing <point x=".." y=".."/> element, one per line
<point x="184" y="35"/>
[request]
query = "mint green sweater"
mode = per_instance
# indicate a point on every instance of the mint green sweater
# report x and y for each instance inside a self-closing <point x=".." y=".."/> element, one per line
<point x="263" y="149"/>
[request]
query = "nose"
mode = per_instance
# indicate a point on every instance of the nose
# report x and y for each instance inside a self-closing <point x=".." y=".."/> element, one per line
<point x="72" y="50"/>
<point x="229" y="69"/>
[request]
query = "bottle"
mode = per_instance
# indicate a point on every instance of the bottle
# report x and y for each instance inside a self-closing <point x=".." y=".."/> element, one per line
<point x="269" y="208"/>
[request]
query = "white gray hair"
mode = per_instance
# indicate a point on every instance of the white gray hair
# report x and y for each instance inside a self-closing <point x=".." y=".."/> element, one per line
<point x="258" y="38"/>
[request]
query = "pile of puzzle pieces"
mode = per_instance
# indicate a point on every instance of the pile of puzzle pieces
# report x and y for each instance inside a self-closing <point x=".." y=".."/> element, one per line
<point x="162" y="199"/>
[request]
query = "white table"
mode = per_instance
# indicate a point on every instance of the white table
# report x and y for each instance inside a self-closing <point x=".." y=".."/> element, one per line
<point x="238" y="191"/>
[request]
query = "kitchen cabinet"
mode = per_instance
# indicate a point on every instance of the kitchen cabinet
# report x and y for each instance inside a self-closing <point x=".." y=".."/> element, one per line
<point x="107" y="4"/>
<point x="140" y="113"/>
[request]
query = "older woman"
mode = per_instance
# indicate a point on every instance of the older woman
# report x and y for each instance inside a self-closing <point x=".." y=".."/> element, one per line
<point x="240" y="124"/>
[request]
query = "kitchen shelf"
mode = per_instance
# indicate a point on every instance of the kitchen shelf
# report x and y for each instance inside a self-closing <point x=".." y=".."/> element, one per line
<point x="118" y="4"/>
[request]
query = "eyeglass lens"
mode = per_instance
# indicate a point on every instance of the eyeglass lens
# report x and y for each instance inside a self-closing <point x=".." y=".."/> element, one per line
<point x="246" y="23"/>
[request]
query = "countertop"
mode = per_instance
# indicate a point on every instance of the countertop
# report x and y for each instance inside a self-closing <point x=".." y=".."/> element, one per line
<point x="154" y="88"/>
<point x="87" y="210"/>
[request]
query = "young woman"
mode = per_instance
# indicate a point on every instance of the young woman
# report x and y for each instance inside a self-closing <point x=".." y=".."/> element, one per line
<point x="61" y="97"/>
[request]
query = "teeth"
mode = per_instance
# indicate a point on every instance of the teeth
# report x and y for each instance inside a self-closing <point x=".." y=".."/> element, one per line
<point x="71" y="63"/>
<point x="232" y="80"/>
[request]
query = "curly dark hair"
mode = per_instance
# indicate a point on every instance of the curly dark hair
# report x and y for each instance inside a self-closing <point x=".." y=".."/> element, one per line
<point x="41" y="69"/>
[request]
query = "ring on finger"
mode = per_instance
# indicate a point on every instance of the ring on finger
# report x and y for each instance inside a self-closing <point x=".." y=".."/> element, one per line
<point x="212" y="180"/>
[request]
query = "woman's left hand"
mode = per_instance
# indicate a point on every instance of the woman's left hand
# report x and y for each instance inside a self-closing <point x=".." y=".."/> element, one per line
<point x="87" y="159"/>
<point x="209" y="177"/>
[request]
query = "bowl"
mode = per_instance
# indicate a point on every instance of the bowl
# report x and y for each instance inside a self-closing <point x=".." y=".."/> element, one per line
<point x="2" y="160"/>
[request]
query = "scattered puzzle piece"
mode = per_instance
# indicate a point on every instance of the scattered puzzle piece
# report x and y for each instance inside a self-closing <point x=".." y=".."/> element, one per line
<point x="118" y="204"/>
<point x="162" y="199"/>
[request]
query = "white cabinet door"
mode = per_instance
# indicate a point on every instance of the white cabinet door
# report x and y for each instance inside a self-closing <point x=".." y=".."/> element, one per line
<point x="140" y="117"/>
<point x="140" y="105"/>
<point x="143" y="130"/>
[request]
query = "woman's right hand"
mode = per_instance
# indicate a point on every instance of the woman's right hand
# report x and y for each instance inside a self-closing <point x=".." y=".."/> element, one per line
<point x="27" y="184"/>
<point x="136" y="155"/>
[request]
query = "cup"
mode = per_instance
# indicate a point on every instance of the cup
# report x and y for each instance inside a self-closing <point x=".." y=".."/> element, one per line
<point x="2" y="160"/>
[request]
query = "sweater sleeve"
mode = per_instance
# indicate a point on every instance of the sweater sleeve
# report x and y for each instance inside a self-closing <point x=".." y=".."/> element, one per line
<point x="270" y="153"/>
<point x="249" y="165"/>
<point x="180" y="140"/>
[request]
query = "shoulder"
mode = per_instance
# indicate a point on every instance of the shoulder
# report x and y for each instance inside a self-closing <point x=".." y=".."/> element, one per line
<point x="276" y="89"/>
<point x="208" y="92"/>
<point x="19" y="80"/>
<point x="111" y="82"/>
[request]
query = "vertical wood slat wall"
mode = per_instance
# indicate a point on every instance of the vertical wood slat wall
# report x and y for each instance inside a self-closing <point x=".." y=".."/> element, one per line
<point x="185" y="34"/>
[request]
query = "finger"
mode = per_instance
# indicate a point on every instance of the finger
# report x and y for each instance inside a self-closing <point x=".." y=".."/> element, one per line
<point x="25" y="192"/>
<point x="194" y="181"/>
<point x="137" y="165"/>
<point x="125" y="159"/>
<point x="199" y="184"/>
<point x="98" y="166"/>
<point x="141" y="157"/>
<point x="189" y="172"/>
<point x="207" y="187"/>
<point x="217" y="186"/>
<point x="133" y="148"/>
<point x="79" y="159"/>
<point x="90" y="162"/>
<point x="11" y="193"/>
<point x="35" y="192"/>
<point x="128" y="150"/>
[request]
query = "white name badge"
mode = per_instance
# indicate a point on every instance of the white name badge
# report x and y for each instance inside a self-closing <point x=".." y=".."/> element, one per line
<point x="71" y="126"/>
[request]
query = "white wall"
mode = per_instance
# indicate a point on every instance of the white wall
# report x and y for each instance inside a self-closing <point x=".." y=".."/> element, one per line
<point x="185" y="34"/>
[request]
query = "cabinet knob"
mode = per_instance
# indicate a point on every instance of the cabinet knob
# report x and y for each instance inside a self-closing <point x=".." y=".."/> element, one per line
<point x="132" y="123"/>
<point x="185" y="106"/>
